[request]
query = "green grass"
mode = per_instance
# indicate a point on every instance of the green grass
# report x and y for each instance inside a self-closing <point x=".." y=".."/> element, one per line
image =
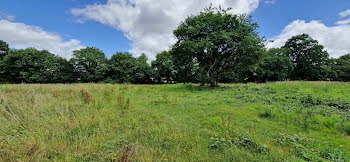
<point x="293" y="121"/>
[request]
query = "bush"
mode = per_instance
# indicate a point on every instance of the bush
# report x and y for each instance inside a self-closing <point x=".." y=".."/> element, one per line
<point x="266" y="114"/>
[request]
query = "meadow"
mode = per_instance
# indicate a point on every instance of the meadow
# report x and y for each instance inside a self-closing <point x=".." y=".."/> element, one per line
<point x="282" y="121"/>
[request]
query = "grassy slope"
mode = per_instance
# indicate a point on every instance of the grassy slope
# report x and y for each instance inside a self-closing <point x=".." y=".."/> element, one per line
<point x="293" y="121"/>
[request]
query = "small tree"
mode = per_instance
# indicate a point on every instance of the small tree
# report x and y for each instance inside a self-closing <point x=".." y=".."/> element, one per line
<point x="309" y="57"/>
<point x="215" y="42"/>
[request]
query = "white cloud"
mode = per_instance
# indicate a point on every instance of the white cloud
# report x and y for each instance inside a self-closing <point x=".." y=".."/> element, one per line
<point x="343" y="22"/>
<point x="344" y="13"/>
<point x="19" y="35"/>
<point x="270" y="1"/>
<point x="335" y="39"/>
<point x="7" y="17"/>
<point x="149" y="23"/>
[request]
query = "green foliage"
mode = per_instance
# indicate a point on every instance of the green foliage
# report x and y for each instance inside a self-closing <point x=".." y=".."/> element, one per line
<point x="302" y="146"/>
<point x="347" y="127"/>
<point x="63" y="71"/>
<point x="30" y="66"/>
<point x="218" y="143"/>
<point x="249" y="144"/>
<point x="164" y="68"/>
<point x="266" y="114"/>
<point x="90" y="64"/>
<point x="123" y="68"/>
<point x="341" y="68"/>
<point x="332" y="121"/>
<point x="215" y="42"/>
<point x="143" y="71"/>
<point x="309" y="57"/>
<point x="275" y="66"/>
<point x="4" y="49"/>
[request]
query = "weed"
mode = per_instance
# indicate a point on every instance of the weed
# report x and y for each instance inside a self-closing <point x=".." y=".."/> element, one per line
<point x="56" y="94"/>
<point x="266" y="114"/>
<point x="123" y="103"/>
<point x="126" y="153"/>
<point x="86" y="97"/>
<point x="226" y="125"/>
<point x="218" y="143"/>
<point x="304" y="149"/>
<point x="332" y="121"/>
<point x="249" y="144"/>
<point x="165" y="98"/>
<point x="307" y="100"/>
<point x="347" y="127"/>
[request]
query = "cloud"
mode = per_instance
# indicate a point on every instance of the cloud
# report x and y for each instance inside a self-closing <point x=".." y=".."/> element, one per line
<point x="343" y="22"/>
<point x="7" y="17"/>
<point x="149" y="23"/>
<point x="19" y="35"/>
<point x="344" y="13"/>
<point x="335" y="39"/>
<point x="270" y="1"/>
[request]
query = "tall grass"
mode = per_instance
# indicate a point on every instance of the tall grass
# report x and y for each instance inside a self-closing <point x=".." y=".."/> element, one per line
<point x="283" y="121"/>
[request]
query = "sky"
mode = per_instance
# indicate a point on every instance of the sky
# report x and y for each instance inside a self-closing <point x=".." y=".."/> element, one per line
<point x="145" y="26"/>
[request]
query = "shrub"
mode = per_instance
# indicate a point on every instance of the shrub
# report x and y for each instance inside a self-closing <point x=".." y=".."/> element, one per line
<point x="250" y="145"/>
<point x="266" y="114"/>
<point x="218" y="143"/>
<point x="307" y="100"/>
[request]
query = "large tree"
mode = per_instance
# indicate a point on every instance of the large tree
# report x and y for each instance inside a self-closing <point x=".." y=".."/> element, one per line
<point x="341" y="68"/>
<point x="213" y="43"/>
<point x="164" y="67"/>
<point x="4" y="49"/>
<point x="63" y="71"/>
<point x="143" y="73"/>
<point x="275" y="66"/>
<point x="30" y="66"/>
<point x="124" y="68"/>
<point x="90" y="64"/>
<point x="121" y="67"/>
<point x="308" y="56"/>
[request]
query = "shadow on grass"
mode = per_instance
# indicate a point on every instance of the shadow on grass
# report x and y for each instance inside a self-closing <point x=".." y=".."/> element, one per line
<point x="197" y="87"/>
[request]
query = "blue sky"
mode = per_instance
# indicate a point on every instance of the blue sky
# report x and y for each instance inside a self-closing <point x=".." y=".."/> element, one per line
<point x="73" y="24"/>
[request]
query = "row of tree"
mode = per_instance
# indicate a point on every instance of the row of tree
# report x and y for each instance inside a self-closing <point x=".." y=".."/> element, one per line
<point x="211" y="47"/>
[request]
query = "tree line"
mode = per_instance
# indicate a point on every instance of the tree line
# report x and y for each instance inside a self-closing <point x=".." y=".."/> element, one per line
<point x="212" y="47"/>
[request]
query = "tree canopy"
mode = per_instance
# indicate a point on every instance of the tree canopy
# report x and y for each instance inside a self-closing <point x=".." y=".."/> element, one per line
<point x="164" y="68"/>
<point x="90" y="64"/>
<point x="212" y="47"/>
<point x="275" y="66"/>
<point x="215" y="42"/>
<point x="4" y="49"/>
<point x="308" y="56"/>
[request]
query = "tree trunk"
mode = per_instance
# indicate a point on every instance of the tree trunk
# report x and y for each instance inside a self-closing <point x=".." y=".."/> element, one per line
<point x="213" y="84"/>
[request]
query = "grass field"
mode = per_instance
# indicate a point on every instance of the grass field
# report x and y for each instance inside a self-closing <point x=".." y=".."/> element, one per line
<point x="292" y="121"/>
